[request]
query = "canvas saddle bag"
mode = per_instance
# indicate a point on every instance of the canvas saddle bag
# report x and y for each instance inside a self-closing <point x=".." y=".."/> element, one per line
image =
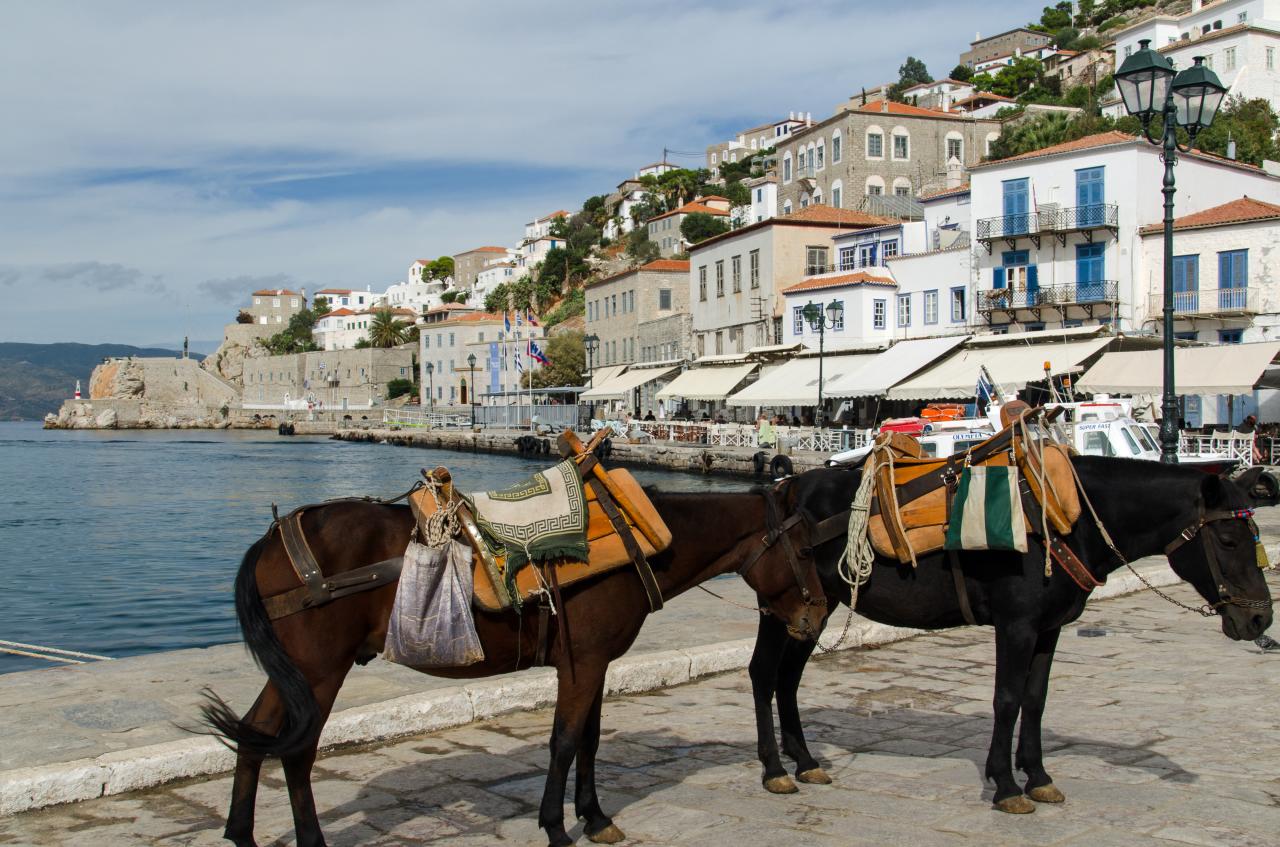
<point x="909" y="509"/>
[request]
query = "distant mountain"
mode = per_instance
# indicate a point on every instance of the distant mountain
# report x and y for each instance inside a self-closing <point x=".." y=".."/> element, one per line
<point x="36" y="378"/>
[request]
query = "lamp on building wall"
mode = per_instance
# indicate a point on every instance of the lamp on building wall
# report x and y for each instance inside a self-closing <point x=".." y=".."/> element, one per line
<point x="431" y="386"/>
<point x="471" y="366"/>
<point x="820" y="323"/>
<point x="1150" y="88"/>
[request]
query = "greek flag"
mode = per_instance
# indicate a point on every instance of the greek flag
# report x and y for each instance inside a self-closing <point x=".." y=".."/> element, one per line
<point x="519" y="364"/>
<point x="985" y="392"/>
<point x="506" y="321"/>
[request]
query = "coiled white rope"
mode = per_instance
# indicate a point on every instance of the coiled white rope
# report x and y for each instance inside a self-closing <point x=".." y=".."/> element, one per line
<point x="442" y="524"/>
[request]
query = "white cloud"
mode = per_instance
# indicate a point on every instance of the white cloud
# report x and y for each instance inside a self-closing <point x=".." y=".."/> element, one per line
<point x="182" y="140"/>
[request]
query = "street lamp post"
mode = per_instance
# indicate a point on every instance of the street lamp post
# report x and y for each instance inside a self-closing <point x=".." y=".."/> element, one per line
<point x="431" y="386"/>
<point x="471" y="366"/>
<point x="834" y="317"/>
<point x="590" y="343"/>
<point x="1190" y="99"/>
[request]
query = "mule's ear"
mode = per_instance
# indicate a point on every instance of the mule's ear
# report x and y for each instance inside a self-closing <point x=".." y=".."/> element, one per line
<point x="1249" y="478"/>
<point x="1258" y="486"/>
<point x="1214" y="492"/>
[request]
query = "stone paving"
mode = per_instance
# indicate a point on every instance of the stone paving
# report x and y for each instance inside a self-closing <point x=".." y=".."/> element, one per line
<point x="1160" y="732"/>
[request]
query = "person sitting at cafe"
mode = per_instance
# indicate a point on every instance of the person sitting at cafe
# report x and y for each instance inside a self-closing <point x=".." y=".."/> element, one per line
<point x="765" y="434"/>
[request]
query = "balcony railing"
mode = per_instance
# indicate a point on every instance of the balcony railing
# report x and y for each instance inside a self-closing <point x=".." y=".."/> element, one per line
<point x="1051" y="219"/>
<point x="1072" y="294"/>
<point x="1212" y="301"/>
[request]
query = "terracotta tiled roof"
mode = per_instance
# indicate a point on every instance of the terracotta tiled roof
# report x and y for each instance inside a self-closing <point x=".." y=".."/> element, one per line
<point x="715" y="197"/>
<point x="334" y="291"/>
<point x="473" y="318"/>
<point x="938" y="82"/>
<point x="839" y="281"/>
<point x="946" y="192"/>
<point x="984" y="95"/>
<point x="485" y="250"/>
<point x="275" y="292"/>
<point x="666" y="265"/>
<point x="450" y="307"/>
<point x="894" y="108"/>
<point x="1244" y="210"/>
<point x="690" y="209"/>
<point x="1102" y="139"/>
<point x="819" y="213"/>
<point x="336" y="313"/>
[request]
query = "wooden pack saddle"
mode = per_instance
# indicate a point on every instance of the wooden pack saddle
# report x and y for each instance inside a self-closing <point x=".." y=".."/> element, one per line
<point x="919" y="486"/>
<point x="623" y="529"/>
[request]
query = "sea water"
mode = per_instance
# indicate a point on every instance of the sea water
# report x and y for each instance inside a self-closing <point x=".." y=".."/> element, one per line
<point x="120" y="542"/>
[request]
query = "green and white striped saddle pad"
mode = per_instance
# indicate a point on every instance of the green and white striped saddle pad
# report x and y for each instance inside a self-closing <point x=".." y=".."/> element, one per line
<point x="986" y="513"/>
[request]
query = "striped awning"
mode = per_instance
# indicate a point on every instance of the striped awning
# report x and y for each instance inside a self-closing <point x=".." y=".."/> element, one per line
<point x="707" y="383"/>
<point x="623" y="384"/>
<point x="796" y="382"/>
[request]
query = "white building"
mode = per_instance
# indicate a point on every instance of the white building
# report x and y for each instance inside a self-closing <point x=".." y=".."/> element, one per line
<point x="1057" y="231"/>
<point x="764" y="201"/>
<point x="447" y="343"/>
<point x="1238" y="38"/>
<point x="491" y="277"/>
<point x="415" y="295"/>
<point x="347" y="298"/>
<point x="941" y="94"/>
<point x="341" y="329"/>
<point x="748" y="142"/>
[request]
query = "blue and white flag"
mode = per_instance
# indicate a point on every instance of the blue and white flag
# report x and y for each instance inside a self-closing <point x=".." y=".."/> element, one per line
<point x="985" y="392"/>
<point x="519" y="364"/>
<point x="506" y="321"/>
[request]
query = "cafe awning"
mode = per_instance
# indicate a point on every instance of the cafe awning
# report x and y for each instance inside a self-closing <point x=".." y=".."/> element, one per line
<point x="892" y="366"/>
<point x="1221" y="369"/>
<point x="1011" y="366"/>
<point x="796" y="382"/>
<point x="707" y="383"/>
<point x="620" y="387"/>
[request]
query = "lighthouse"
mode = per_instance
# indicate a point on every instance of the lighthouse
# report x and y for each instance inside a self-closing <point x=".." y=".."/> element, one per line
<point x="77" y="389"/>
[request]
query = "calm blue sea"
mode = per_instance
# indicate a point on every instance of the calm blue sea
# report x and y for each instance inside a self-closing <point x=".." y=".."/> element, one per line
<point x="127" y="542"/>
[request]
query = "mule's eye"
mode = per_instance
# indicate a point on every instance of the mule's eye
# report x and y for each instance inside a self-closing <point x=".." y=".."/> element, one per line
<point x="1229" y="541"/>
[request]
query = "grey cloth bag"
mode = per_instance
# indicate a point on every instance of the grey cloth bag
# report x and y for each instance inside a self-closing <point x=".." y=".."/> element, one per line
<point x="431" y="624"/>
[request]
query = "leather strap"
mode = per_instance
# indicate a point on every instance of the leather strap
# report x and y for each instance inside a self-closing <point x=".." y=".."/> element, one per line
<point x="544" y="619"/>
<point x="962" y="591"/>
<point x="623" y="529"/>
<point x="1059" y="551"/>
<point x="916" y="488"/>
<point x="300" y="556"/>
<point x="335" y="587"/>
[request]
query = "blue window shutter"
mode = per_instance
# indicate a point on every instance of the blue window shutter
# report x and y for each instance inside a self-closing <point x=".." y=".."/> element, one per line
<point x="1242" y="269"/>
<point x="998" y="277"/>
<point x="1224" y="270"/>
<point x="1033" y="278"/>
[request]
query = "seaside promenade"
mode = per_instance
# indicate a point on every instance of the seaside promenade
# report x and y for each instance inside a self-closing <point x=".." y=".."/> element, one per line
<point x="1161" y="732"/>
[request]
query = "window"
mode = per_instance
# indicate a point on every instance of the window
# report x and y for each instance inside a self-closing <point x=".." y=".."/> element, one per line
<point x="835" y="195"/>
<point x="804" y="201"/>
<point x="800" y="162"/>
<point x="736" y="268"/>
<point x="875" y="145"/>
<point x="275" y="302"/>
<point x="955" y="149"/>
<point x="755" y="268"/>
<point x="797" y="320"/>
<point x="1186" y="283"/>
<point x="293" y="302"/>
<point x="719" y="343"/>
<point x="786" y="208"/>
<point x="835" y="148"/>
<point x="702" y="282"/>
<point x="1233" y="279"/>
<point x="821" y="153"/>
<point x="815" y="260"/>
<point x="878" y="310"/>
<point x="890" y="248"/>
<point x="786" y="168"/>
<point x="426" y="341"/>
<point x="931" y="307"/>
<point x="838" y="326"/>
<point x="904" y="310"/>
<point x="1229" y="59"/>
<point x="902" y="191"/>
<point x="848" y="258"/>
<point x="957" y="305"/>
<point x="1230" y="336"/>
<point x="720" y="278"/>
<point x="901" y="147"/>
<point x="1242" y="17"/>
<point x="664" y="299"/>
<point x="1208" y="61"/>
<point x="1271" y="58"/>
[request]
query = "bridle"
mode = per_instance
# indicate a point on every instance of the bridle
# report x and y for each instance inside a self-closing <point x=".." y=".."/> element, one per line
<point x="778" y="531"/>
<point x="1225" y="597"/>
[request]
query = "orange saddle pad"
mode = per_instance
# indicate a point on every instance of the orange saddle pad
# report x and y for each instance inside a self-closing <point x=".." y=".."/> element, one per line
<point x="606" y="551"/>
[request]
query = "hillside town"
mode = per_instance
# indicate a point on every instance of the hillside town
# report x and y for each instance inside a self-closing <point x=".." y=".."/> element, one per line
<point x="827" y="267"/>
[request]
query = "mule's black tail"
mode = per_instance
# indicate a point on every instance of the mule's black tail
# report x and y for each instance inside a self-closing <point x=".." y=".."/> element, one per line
<point x="301" y="712"/>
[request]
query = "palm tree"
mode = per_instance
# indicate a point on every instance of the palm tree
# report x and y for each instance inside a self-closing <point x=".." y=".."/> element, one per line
<point x="385" y="330"/>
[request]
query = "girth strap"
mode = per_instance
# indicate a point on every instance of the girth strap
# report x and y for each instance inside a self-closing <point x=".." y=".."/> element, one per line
<point x="620" y="525"/>
<point x="1059" y="550"/>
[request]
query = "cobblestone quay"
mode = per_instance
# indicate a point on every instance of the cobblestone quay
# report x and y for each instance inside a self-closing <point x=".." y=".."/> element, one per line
<point x="1160" y="732"/>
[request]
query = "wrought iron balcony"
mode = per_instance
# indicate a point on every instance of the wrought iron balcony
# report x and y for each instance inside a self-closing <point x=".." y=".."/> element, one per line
<point x="1209" y="302"/>
<point x="1086" y="295"/>
<point x="1057" y="221"/>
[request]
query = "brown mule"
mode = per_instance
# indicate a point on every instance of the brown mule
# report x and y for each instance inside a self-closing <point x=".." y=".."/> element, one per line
<point x="306" y="656"/>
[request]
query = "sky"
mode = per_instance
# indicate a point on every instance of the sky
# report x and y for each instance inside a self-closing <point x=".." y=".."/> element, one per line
<point x="158" y="162"/>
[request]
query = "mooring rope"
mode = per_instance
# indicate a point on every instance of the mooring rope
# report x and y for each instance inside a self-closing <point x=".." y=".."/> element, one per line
<point x="52" y="654"/>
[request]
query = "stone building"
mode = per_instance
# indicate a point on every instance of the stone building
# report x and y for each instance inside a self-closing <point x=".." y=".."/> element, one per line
<point x="1004" y="44"/>
<point x="326" y="381"/>
<point x="467" y="266"/>
<point x="619" y="306"/>
<point x="664" y="230"/>
<point x="275" y="306"/>
<point x="882" y="148"/>
<point x="446" y="343"/>
<point x="748" y="142"/>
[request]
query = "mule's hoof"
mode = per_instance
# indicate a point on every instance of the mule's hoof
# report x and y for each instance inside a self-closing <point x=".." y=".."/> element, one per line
<point x="1015" y="805"/>
<point x="814" y="776"/>
<point x="1046" y="794"/>
<point x="609" y="835"/>
<point x="780" y="785"/>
